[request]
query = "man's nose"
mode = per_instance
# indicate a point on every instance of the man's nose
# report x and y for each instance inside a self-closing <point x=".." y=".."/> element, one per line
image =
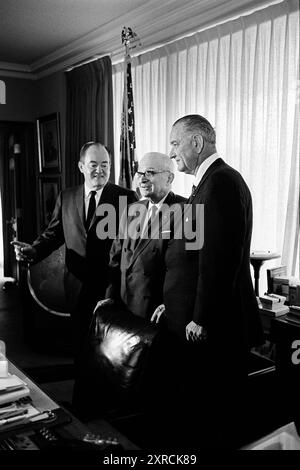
<point x="144" y="177"/>
<point x="172" y="154"/>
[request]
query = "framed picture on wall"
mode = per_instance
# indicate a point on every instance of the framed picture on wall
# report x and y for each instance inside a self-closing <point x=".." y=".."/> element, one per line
<point x="48" y="134"/>
<point x="49" y="188"/>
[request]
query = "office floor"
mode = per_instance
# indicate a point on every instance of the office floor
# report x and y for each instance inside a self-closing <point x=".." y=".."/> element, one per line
<point x="44" y="367"/>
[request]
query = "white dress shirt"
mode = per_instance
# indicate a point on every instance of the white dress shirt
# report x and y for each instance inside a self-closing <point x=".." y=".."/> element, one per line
<point x="204" y="167"/>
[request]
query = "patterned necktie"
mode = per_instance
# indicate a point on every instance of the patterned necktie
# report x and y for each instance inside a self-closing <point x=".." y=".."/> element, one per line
<point x="193" y="190"/>
<point x="91" y="209"/>
<point x="146" y="233"/>
<point x="150" y="224"/>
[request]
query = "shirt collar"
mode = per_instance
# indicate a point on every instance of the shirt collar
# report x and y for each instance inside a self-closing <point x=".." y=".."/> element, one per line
<point x="157" y="204"/>
<point x="204" y="167"/>
<point x="87" y="191"/>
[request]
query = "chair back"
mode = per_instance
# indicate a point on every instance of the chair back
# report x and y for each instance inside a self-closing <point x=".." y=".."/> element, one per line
<point x="118" y="365"/>
<point x="46" y="318"/>
<point x="46" y="283"/>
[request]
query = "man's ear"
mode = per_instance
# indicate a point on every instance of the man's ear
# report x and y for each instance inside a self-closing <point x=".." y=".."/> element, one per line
<point x="171" y="178"/>
<point x="198" y="142"/>
<point x="80" y="166"/>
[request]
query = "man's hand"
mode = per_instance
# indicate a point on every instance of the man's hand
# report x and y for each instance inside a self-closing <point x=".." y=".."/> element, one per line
<point x="195" y="332"/>
<point x="24" y="251"/>
<point x="103" y="303"/>
<point x="157" y="315"/>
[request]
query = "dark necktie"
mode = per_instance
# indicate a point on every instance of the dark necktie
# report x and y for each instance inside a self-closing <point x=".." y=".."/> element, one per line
<point x="91" y="209"/>
<point x="193" y="190"/>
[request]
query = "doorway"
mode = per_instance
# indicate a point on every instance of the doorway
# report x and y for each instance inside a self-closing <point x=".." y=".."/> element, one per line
<point x="18" y="193"/>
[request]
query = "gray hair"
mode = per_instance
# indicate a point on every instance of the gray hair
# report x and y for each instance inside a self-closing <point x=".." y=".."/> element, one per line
<point x="160" y="160"/>
<point x="87" y="145"/>
<point x="197" y="123"/>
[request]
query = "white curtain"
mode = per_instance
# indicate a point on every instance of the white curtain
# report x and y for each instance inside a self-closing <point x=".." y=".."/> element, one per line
<point x="243" y="77"/>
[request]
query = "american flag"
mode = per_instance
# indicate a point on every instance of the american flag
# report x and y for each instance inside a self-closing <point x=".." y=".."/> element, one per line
<point x="127" y="141"/>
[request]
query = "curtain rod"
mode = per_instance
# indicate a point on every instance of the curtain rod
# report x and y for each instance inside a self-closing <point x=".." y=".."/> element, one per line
<point x="117" y="53"/>
<point x="87" y="61"/>
<point x="266" y="4"/>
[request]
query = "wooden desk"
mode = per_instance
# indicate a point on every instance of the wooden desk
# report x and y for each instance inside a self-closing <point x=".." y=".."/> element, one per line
<point x="72" y="428"/>
<point x="284" y="438"/>
<point x="286" y="336"/>
<point x="266" y="320"/>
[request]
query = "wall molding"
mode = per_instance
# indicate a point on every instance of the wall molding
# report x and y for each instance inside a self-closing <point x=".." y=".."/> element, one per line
<point x="155" y="22"/>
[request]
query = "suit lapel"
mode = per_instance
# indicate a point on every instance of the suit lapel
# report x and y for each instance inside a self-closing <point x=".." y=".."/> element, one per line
<point x="136" y="243"/>
<point x="208" y="172"/>
<point x="79" y="197"/>
<point x="144" y="242"/>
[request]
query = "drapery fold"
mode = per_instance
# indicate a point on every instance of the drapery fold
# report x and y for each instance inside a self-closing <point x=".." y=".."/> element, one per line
<point x="5" y="195"/>
<point x="243" y="76"/>
<point x="89" y="112"/>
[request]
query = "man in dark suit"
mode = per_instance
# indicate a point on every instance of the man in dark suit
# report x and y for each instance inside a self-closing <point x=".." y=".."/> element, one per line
<point x="78" y="221"/>
<point x="137" y="266"/>
<point x="217" y="311"/>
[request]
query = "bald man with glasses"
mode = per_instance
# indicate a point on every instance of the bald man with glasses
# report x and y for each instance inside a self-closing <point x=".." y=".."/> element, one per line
<point x="137" y="267"/>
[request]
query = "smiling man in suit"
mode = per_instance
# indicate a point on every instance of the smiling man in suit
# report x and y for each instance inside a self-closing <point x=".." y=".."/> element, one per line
<point x="74" y="222"/>
<point x="137" y="265"/>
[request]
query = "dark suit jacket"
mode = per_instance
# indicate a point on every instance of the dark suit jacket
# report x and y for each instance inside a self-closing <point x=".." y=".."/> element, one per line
<point x="213" y="285"/>
<point x="137" y="273"/>
<point x="87" y="256"/>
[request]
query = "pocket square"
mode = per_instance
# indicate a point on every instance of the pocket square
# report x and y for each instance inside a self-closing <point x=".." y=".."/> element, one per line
<point x="166" y="231"/>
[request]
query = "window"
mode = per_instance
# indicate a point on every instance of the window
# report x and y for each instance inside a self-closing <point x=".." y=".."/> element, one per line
<point x="243" y="77"/>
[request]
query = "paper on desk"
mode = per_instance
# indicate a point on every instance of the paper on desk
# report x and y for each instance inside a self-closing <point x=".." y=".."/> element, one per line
<point x="11" y="381"/>
<point x="12" y="388"/>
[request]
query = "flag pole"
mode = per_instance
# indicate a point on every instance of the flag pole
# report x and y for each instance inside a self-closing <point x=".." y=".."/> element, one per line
<point x="127" y="141"/>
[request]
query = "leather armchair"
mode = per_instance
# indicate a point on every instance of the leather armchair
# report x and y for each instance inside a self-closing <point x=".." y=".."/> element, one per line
<point x="118" y="369"/>
<point x="46" y="319"/>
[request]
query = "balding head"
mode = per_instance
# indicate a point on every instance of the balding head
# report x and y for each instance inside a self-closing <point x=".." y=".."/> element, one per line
<point x="157" y="160"/>
<point x="155" y="175"/>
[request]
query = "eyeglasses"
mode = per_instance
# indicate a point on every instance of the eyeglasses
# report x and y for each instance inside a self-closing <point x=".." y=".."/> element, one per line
<point x="149" y="173"/>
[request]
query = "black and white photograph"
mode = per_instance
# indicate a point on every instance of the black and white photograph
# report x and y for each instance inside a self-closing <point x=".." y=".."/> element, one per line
<point x="49" y="190"/>
<point x="49" y="143"/>
<point x="150" y="228"/>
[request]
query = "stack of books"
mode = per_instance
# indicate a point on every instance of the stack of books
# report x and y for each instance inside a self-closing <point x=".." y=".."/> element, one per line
<point x="12" y="391"/>
<point x="281" y="285"/>
<point x="294" y="314"/>
<point x="273" y="305"/>
<point x="12" y="388"/>
<point x="16" y="406"/>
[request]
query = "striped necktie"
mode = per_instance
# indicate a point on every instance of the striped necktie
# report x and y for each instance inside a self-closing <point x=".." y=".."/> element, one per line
<point x="146" y="232"/>
<point x="150" y="223"/>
